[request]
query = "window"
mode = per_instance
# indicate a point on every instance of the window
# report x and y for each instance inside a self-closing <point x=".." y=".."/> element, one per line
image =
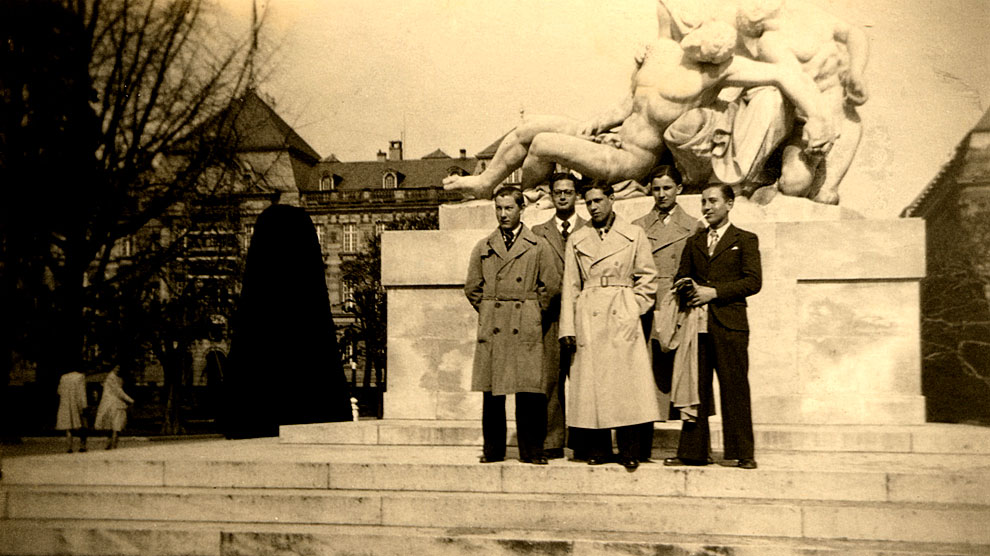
<point x="347" y="296"/>
<point x="350" y="237"/>
<point x="389" y="181"/>
<point x="248" y="232"/>
<point x="380" y="227"/>
<point x="327" y="183"/>
<point x="319" y="235"/>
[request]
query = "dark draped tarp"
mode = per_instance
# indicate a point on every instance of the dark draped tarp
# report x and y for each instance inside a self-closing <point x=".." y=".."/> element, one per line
<point x="284" y="365"/>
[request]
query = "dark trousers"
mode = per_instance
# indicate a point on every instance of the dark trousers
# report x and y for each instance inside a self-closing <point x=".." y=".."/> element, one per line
<point x="629" y="439"/>
<point x="556" y="428"/>
<point x="531" y="424"/>
<point x="726" y="352"/>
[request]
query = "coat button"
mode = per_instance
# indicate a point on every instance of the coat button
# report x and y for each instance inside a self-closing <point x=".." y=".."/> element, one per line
<point x="518" y="305"/>
<point x="515" y="330"/>
<point x="497" y="304"/>
<point x="614" y="312"/>
<point x="496" y="331"/>
<point x="518" y="278"/>
<point x="594" y="313"/>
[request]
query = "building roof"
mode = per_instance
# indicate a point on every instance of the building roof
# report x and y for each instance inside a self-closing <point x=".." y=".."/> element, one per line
<point x="260" y="128"/>
<point x="436" y="154"/>
<point x="970" y="163"/>
<point x="411" y="173"/>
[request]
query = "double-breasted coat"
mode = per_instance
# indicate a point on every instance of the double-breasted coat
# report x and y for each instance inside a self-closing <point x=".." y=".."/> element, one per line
<point x="551" y="343"/>
<point x="511" y="289"/>
<point x="667" y="242"/>
<point x="608" y="285"/>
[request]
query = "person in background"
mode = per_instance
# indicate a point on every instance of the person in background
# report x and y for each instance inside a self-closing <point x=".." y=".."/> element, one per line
<point x="71" y="403"/>
<point x="112" y="412"/>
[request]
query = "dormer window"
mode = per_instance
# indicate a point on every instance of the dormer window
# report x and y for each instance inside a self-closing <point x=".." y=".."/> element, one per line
<point x="389" y="180"/>
<point x="455" y="171"/>
<point x="328" y="183"/>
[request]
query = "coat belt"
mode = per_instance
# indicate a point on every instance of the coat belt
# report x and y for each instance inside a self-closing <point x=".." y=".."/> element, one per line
<point x="522" y="297"/>
<point x="609" y="282"/>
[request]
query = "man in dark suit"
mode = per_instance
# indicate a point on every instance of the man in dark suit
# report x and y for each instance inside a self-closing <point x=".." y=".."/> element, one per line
<point x="563" y="191"/>
<point x="720" y="268"/>
<point x="668" y="227"/>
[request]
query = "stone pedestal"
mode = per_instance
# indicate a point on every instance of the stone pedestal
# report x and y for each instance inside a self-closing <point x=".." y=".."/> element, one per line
<point x="835" y="330"/>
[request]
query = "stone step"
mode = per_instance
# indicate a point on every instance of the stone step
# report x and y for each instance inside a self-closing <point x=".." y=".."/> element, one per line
<point x="946" y="479"/>
<point x="150" y="538"/>
<point x="743" y="517"/>
<point x="922" y="439"/>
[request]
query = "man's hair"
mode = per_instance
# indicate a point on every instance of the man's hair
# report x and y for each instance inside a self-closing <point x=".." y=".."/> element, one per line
<point x="728" y="193"/>
<point x="711" y="42"/>
<point x="666" y="170"/>
<point x="511" y="191"/>
<point x="558" y="176"/>
<point x="601" y="185"/>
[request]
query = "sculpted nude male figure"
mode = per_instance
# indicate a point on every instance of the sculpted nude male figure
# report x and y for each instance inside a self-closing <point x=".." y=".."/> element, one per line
<point x="672" y="79"/>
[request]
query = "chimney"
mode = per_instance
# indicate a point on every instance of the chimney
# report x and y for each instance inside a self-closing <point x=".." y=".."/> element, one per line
<point x="381" y="156"/>
<point x="463" y="153"/>
<point x="395" y="150"/>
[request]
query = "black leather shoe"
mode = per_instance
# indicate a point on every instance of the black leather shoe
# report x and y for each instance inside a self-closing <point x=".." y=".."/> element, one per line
<point x="748" y="463"/>
<point x="629" y="463"/>
<point x="597" y="460"/>
<point x="554" y="453"/>
<point x="679" y="462"/>
<point x="538" y="460"/>
<point x="486" y="459"/>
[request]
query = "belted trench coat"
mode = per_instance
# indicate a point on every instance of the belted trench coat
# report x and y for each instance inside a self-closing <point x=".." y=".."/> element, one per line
<point x="608" y="285"/>
<point x="511" y="289"/>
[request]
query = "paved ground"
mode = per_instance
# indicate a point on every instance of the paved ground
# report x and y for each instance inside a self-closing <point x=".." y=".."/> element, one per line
<point x="36" y="446"/>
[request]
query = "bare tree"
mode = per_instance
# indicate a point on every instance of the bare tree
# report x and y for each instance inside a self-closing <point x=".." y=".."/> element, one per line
<point x="141" y="93"/>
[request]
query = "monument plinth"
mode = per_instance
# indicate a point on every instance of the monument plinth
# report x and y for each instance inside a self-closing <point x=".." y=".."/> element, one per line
<point x="835" y="330"/>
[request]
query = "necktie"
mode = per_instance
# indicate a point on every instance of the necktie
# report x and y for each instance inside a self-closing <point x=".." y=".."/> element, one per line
<point x="507" y="236"/>
<point x="564" y="232"/>
<point x="712" y="241"/>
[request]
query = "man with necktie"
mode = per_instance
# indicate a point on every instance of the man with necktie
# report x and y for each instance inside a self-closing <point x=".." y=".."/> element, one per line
<point x="511" y="279"/>
<point x="609" y="283"/>
<point x="668" y="227"/>
<point x="556" y="230"/>
<point x="720" y="268"/>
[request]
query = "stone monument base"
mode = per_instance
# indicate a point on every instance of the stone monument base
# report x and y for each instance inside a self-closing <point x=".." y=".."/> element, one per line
<point x="835" y="331"/>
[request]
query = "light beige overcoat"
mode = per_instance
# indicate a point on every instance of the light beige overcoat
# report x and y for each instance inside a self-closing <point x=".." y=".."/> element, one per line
<point x="608" y="284"/>
<point x="511" y="289"/>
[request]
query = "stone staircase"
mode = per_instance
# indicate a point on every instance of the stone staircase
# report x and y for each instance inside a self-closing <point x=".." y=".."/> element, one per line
<point x="415" y="487"/>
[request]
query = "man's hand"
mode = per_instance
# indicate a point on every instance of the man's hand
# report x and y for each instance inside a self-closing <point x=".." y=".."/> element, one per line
<point x="568" y="342"/>
<point x="702" y="295"/>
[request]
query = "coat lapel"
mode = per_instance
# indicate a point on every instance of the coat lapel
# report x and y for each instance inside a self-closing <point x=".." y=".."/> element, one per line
<point x="617" y="239"/>
<point x="520" y="245"/>
<point x="726" y="241"/>
<point x="677" y="228"/>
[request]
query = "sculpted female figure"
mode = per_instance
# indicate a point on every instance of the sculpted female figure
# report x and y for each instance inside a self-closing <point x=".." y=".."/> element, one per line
<point x="672" y="79"/>
<point x="833" y="54"/>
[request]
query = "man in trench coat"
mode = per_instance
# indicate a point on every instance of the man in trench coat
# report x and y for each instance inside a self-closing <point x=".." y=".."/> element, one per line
<point x="609" y="283"/>
<point x="668" y="227"/>
<point x="511" y="279"/>
<point x="556" y="230"/>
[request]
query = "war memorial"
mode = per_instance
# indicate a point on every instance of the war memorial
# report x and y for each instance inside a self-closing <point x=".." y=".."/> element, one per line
<point x="848" y="464"/>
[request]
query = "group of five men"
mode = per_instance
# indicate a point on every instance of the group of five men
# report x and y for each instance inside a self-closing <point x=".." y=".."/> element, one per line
<point x="572" y="300"/>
